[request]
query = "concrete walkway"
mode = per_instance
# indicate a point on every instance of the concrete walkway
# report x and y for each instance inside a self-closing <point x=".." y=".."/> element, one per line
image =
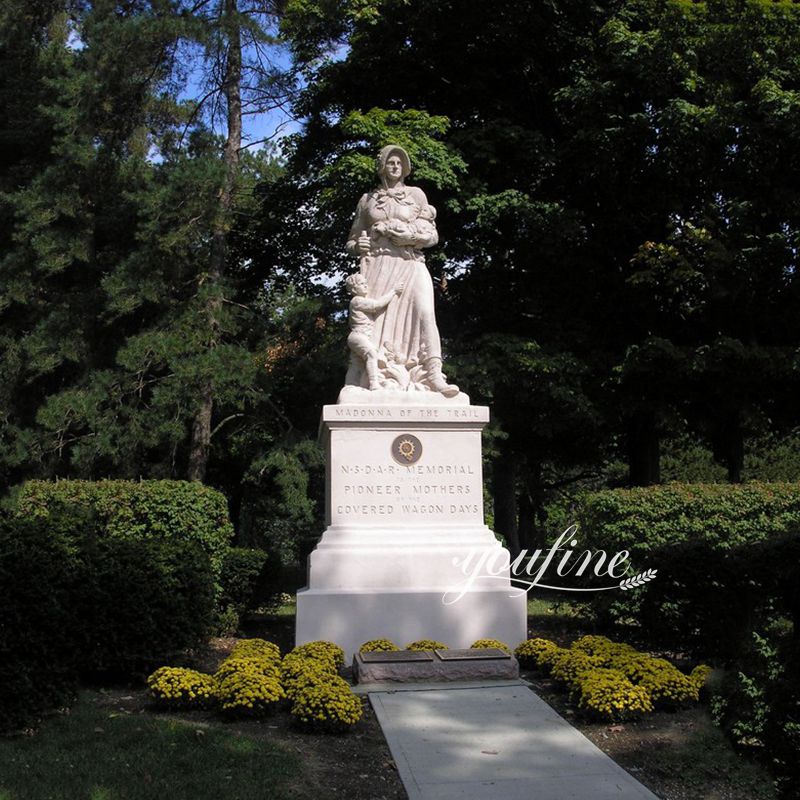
<point x="494" y="741"/>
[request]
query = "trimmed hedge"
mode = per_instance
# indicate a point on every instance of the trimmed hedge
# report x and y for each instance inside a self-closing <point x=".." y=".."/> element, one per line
<point x="723" y="554"/>
<point x="77" y="601"/>
<point x="722" y="515"/>
<point x="38" y="661"/>
<point x="166" y="510"/>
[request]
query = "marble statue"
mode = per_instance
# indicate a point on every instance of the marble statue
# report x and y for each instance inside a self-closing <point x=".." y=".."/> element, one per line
<point x="362" y="323"/>
<point x="393" y="224"/>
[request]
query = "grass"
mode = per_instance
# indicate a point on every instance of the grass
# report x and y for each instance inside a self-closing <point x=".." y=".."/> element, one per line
<point x="706" y="755"/>
<point x="94" y="753"/>
<point x="679" y="754"/>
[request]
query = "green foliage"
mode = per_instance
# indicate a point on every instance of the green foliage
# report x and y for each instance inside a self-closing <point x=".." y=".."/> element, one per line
<point x="758" y="704"/>
<point x="145" y="600"/>
<point x="726" y="558"/>
<point x="416" y="131"/>
<point x="686" y="460"/>
<point x="719" y="515"/>
<point x="80" y="602"/>
<point x="280" y="514"/>
<point x="38" y="668"/>
<point x="773" y="458"/>
<point x="244" y="579"/>
<point x="162" y="510"/>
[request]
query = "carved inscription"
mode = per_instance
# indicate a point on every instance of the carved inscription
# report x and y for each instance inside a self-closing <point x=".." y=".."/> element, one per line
<point x="417" y="490"/>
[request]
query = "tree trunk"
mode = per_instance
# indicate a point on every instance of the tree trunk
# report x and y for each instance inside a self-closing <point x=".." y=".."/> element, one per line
<point x="644" y="449"/>
<point x="231" y="87"/>
<point x="733" y="448"/>
<point x="531" y="510"/>
<point x="504" y="486"/>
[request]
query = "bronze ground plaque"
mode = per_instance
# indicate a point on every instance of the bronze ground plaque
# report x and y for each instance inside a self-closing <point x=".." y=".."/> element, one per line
<point x="487" y="654"/>
<point x="395" y="657"/>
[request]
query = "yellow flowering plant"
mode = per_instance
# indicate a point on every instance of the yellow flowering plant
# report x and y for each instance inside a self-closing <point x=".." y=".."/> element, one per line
<point x="249" y="694"/>
<point x="258" y="666"/>
<point x="256" y="648"/>
<point x="299" y="674"/>
<point x="608" y="694"/>
<point x="614" y="680"/>
<point x="567" y="666"/>
<point x="700" y="675"/>
<point x="535" y="653"/>
<point x="295" y="665"/>
<point x="328" y="707"/>
<point x="378" y="646"/>
<point x="487" y="644"/>
<point x="426" y="644"/>
<point x="177" y="688"/>
<point x="603" y="649"/>
<point x="667" y="685"/>
<point x="322" y="650"/>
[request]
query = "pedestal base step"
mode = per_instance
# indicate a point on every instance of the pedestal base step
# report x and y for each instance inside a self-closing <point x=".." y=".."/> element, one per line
<point x="351" y="617"/>
<point x="441" y="666"/>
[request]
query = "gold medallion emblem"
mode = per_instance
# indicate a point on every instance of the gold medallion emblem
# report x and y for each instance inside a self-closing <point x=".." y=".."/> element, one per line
<point x="406" y="449"/>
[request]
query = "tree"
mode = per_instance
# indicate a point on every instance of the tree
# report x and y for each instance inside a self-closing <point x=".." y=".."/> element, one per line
<point x="628" y="196"/>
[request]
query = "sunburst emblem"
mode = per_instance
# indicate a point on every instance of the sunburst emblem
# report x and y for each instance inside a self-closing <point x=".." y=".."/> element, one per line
<point x="406" y="449"/>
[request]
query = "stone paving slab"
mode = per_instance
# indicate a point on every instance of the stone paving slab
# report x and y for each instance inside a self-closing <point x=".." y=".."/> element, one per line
<point x="494" y="743"/>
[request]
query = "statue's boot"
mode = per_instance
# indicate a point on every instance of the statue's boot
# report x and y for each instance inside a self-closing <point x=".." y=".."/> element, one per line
<point x="436" y="380"/>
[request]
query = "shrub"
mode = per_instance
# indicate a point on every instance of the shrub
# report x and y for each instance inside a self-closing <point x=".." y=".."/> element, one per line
<point x="726" y="556"/>
<point x="166" y="510"/>
<point x="535" y="653"/>
<point x="39" y="658"/>
<point x="295" y="664"/>
<point x="256" y="648"/>
<point x="488" y="644"/>
<point x="666" y="684"/>
<point x="613" y="680"/>
<point x="328" y="707"/>
<point x="378" y="646"/>
<point x="700" y="675"/>
<point x="76" y="601"/>
<point x="603" y="649"/>
<point x="758" y="704"/>
<point x="258" y="666"/>
<point x="244" y="579"/>
<point x="568" y="665"/>
<point x="299" y="670"/>
<point x="312" y="675"/>
<point x="608" y="694"/>
<point x="327" y="651"/>
<point x="179" y="689"/>
<point x="226" y="622"/>
<point x="140" y="602"/>
<point x="249" y="694"/>
<point x="721" y="515"/>
<point x="426" y="644"/>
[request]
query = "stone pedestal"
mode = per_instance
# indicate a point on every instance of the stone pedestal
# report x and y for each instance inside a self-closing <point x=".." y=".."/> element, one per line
<point x="404" y="499"/>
